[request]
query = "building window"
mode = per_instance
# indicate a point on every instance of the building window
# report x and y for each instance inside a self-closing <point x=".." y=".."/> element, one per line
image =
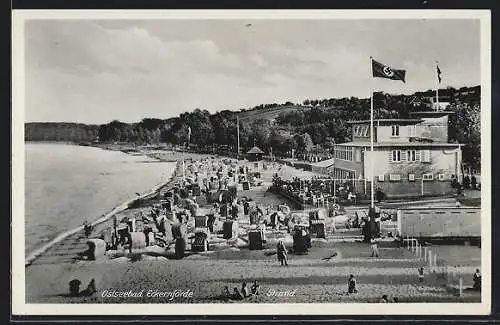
<point x="425" y="156"/>
<point x="341" y="174"/>
<point x="441" y="177"/>
<point x="411" y="177"/>
<point x="394" y="177"/>
<point x="395" y="156"/>
<point x="395" y="130"/>
<point x="428" y="177"/>
<point x="343" y="153"/>
<point x="360" y="130"/>
<point x="365" y="131"/>
<point x="381" y="178"/>
<point x="411" y="155"/>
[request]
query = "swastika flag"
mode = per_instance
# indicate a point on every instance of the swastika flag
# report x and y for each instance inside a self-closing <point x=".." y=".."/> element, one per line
<point x="383" y="71"/>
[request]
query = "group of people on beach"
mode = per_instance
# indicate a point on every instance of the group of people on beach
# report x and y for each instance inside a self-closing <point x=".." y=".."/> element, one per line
<point x="316" y="190"/>
<point x="351" y="289"/>
<point x="243" y="293"/>
<point x="385" y="299"/>
<point x="74" y="288"/>
<point x="468" y="182"/>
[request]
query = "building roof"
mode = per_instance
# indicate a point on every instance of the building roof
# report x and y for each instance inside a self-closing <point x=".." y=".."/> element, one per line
<point x="255" y="150"/>
<point x="324" y="163"/>
<point x="388" y="121"/>
<point x="400" y="144"/>
<point x="430" y="113"/>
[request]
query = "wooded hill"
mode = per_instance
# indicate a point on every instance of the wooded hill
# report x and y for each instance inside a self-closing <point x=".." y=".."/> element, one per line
<point x="313" y="123"/>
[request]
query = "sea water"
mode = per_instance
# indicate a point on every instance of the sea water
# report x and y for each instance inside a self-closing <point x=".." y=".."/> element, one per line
<point x="67" y="184"/>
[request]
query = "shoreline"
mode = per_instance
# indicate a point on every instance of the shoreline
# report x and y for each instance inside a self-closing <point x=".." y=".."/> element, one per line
<point x="36" y="253"/>
<point x="315" y="276"/>
<point x="126" y="205"/>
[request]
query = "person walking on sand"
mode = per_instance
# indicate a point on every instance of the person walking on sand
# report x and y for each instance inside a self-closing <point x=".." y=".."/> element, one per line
<point x="281" y="251"/>
<point x="351" y="285"/>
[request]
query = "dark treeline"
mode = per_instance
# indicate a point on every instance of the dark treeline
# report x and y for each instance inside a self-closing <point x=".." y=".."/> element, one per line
<point x="54" y="131"/>
<point x="314" y="125"/>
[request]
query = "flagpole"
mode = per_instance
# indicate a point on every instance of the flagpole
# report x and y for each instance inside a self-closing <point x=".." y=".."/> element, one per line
<point x="238" y="136"/>
<point x="437" y="89"/>
<point x="237" y="153"/>
<point x="183" y="155"/>
<point x="371" y="133"/>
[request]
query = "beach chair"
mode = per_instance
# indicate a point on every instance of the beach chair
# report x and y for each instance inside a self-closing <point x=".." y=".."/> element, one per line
<point x="123" y="232"/>
<point x="96" y="249"/>
<point x="255" y="239"/>
<point x="301" y="239"/>
<point x="317" y="228"/>
<point x="201" y="218"/>
<point x="196" y="190"/>
<point x="180" y="247"/>
<point x="230" y="229"/>
<point x="254" y="216"/>
<point x="200" y="242"/>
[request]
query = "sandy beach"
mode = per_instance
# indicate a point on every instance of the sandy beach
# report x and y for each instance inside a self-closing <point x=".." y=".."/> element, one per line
<point x="314" y="277"/>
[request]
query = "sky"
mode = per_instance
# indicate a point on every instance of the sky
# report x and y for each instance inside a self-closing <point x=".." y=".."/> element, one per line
<point x="96" y="71"/>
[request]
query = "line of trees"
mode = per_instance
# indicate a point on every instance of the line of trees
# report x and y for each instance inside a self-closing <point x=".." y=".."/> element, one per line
<point x="282" y="127"/>
<point x="70" y="132"/>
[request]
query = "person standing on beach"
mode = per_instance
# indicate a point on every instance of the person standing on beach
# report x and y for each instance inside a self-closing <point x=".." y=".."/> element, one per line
<point x="476" y="278"/>
<point x="374" y="247"/>
<point x="351" y="285"/>
<point x="87" y="228"/>
<point x="473" y="182"/>
<point x="282" y="254"/>
<point x="421" y="274"/>
<point x="115" y="232"/>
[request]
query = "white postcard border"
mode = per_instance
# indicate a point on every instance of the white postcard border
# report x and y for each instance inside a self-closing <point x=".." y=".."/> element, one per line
<point x="20" y="307"/>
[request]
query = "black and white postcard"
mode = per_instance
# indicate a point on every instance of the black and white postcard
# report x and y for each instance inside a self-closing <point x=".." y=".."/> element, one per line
<point x="251" y="162"/>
